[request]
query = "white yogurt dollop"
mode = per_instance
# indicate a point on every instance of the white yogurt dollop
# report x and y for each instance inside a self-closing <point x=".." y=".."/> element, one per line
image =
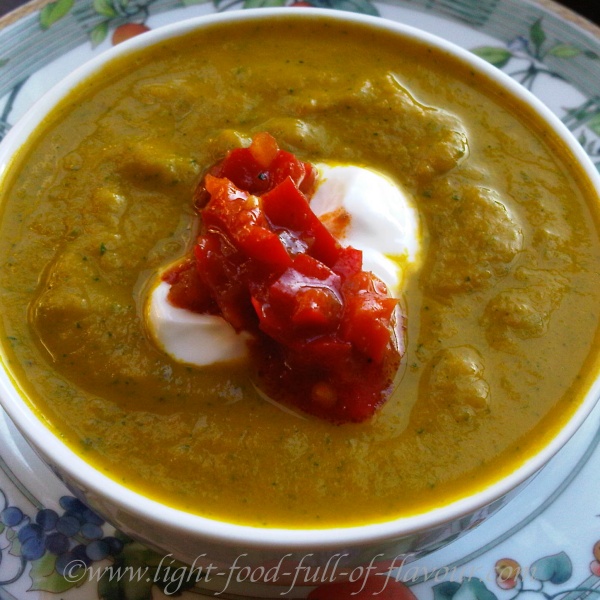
<point x="189" y="337"/>
<point x="382" y="223"/>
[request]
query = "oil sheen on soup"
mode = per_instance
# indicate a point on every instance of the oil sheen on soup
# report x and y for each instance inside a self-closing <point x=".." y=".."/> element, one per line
<point x="501" y="307"/>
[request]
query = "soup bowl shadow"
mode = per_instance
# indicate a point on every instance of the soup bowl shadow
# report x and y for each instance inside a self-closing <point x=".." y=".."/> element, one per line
<point x="278" y="551"/>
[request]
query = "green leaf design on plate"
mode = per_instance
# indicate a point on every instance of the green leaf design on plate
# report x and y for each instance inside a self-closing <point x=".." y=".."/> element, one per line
<point x="192" y="2"/>
<point x="591" y="54"/>
<point x="473" y="589"/>
<point x="105" y="8"/>
<point x="359" y="6"/>
<point x="98" y="34"/>
<point x="556" y="568"/>
<point x="14" y="548"/>
<point x="564" y="51"/>
<point x="263" y="3"/>
<point x="124" y="589"/>
<point x="131" y="576"/>
<point x="445" y="590"/>
<point x="594" y="124"/>
<point x="3" y="61"/>
<point x="110" y="589"/>
<point x="496" y="56"/>
<point x="54" y="12"/>
<point x="537" y="35"/>
<point x="44" y="577"/>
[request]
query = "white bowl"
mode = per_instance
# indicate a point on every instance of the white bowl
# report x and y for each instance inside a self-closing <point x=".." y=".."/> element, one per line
<point x="196" y="539"/>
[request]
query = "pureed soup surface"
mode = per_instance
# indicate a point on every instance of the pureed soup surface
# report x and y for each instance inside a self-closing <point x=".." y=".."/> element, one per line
<point x="502" y="314"/>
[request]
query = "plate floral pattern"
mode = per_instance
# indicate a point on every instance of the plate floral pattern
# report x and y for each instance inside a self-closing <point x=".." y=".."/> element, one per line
<point x="544" y="545"/>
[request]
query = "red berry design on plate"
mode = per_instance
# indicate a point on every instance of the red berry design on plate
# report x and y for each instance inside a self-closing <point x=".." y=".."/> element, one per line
<point x="595" y="564"/>
<point x="507" y="573"/>
<point x="127" y="31"/>
<point x="380" y="587"/>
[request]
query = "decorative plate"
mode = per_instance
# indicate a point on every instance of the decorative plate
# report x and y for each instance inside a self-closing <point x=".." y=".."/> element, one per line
<point x="544" y="545"/>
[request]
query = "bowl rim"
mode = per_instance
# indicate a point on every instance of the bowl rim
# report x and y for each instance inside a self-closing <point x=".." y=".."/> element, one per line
<point x="94" y="482"/>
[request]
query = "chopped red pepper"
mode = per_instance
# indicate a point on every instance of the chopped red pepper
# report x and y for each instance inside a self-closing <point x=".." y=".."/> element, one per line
<point x="249" y="170"/>
<point x="287" y="208"/>
<point x="187" y="290"/>
<point x="324" y="331"/>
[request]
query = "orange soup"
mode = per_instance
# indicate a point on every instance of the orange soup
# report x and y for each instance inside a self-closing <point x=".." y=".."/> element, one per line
<point x="502" y="309"/>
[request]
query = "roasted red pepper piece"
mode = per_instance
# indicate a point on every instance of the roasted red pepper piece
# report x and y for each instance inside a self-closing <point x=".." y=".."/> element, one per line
<point x="263" y="166"/>
<point x="303" y="301"/>
<point x="219" y="266"/>
<point x="264" y="149"/>
<point x="241" y="216"/>
<point x="286" y="207"/>
<point x="349" y="262"/>
<point x="187" y="290"/>
<point x="368" y="315"/>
